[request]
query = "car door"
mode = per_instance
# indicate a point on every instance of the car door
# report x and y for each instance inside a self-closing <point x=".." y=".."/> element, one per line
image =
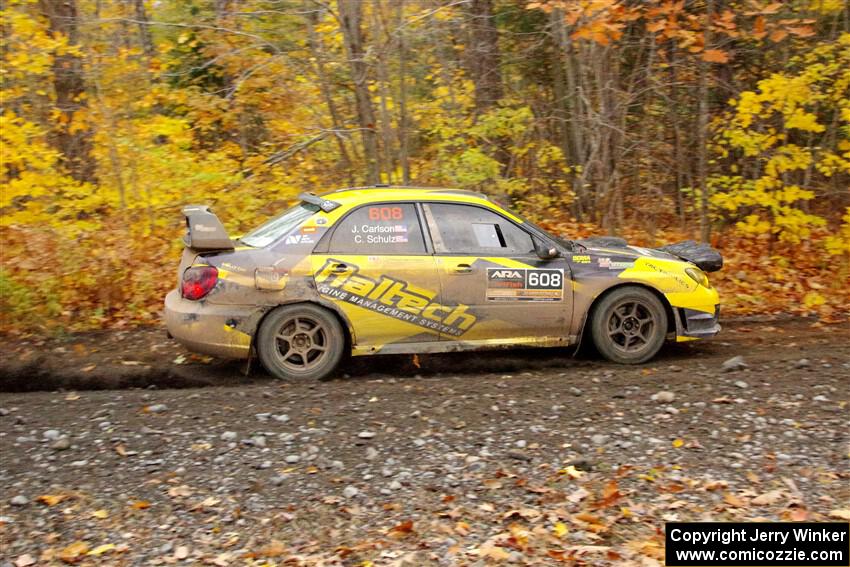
<point x="488" y="263"/>
<point x="377" y="269"/>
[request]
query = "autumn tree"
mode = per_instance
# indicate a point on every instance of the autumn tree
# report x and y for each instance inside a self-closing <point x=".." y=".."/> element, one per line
<point x="350" y="18"/>
<point x="72" y="135"/>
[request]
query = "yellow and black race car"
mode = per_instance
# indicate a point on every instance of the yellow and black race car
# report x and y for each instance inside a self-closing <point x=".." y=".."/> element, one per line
<point x="378" y="270"/>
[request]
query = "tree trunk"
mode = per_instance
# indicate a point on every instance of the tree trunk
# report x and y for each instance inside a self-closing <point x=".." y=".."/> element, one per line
<point x="567" y="106"/>
<point x="144" y="29"/>
<point x="351" y="15"/>
<point x="403" y="141"/>
<point x="702" y="128"/>
<point x="70" y="137"/>
<point x="322" y="75"/>
<point x="383" y="76"/>
<point x="483" y="54"/>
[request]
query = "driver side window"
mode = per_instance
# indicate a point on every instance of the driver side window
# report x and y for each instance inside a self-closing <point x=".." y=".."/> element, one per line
<point x="466" y="229"/>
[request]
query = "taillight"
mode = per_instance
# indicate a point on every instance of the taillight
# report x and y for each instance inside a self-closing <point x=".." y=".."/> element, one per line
<point x="199" y="281"/>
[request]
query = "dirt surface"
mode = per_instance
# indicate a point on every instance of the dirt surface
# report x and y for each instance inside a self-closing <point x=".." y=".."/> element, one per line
<point x="532" y="457"/>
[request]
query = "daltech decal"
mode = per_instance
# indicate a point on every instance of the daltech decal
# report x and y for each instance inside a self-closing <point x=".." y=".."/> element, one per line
<point x="521" y="284"/>
<point x="391" y="297"/>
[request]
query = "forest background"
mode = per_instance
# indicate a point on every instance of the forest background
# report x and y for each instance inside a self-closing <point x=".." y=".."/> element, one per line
<point x="658" y="120"/>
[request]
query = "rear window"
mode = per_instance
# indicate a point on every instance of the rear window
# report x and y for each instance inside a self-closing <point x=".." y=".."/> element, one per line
<point x="279" y="226"/>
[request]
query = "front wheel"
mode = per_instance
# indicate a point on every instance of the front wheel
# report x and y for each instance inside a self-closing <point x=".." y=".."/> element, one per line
<point x="629" y="325"/>
<point x="300" y="342"/>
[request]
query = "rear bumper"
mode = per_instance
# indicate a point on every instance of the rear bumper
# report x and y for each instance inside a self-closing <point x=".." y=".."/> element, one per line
<point x="209" y="329"/>
<point x="693" y="324"/>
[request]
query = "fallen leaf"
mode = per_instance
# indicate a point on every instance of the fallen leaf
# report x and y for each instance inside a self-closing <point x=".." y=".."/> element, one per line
<point x="492" y="483"/>
<point x="493" y="552"/>
<point x="768" y="498"/>
<point x="52" y="499"/>
<point x="401" y="530"/>
<point x="273" y="549"/>
<point x="101" y="549"/>
<point x="733" y="500"/>
<point x="416" y="361"/>
<point x="577" y="496"/>
<point x="73" y="396"/>
<point x="678" y="443"/>
<point x="74" y="552"/>
<point x="24" y="560"/>
<point x="140" y="504"/>
<point x="572" y="472"/>
<point x="100" y="514"/>
<point x="180" y="491"/>
<point x="560" y="529"/>
<point x="842" y="514"/>
<point x="121" y="450"/>
<point x="524" y="513"/>
<point x="182" y="552"/>
<point x="208" y="502"/>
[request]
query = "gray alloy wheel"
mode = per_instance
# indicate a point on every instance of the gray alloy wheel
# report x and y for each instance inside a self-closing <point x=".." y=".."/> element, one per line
<point x="629" y="325"/>
<point x="302" y="341"/>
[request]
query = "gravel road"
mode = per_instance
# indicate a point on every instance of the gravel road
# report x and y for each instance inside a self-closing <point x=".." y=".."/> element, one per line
<point x="531" y="457"/>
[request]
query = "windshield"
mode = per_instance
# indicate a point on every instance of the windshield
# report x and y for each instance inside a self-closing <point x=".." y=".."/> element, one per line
<point x="279" y="226"/>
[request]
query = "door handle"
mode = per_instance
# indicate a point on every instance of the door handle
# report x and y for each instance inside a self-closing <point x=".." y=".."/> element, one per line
<point x="339" y="269"/>
<point x="463" y="269"/>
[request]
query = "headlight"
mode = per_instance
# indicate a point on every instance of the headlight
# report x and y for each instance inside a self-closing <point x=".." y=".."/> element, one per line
<point x="698" y="276"/>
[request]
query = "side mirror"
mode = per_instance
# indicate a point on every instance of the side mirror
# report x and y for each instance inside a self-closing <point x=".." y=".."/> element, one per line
<point x="545" y="250"/>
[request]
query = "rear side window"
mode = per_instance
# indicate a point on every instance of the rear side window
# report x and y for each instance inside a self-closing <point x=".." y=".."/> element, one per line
<point x="464" y="229"/>
<point x="279" y="226"/>
<point x="388" y="228"/>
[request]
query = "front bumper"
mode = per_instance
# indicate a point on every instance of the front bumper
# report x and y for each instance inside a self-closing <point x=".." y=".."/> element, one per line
<point x="207" y="328"/>
<point x="693" y="324"/>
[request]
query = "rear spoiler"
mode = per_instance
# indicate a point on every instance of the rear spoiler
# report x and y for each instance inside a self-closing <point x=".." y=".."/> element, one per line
<point x="324" y="204"/>
<point x="704" y="256"/>
<point x="204" y="231"/>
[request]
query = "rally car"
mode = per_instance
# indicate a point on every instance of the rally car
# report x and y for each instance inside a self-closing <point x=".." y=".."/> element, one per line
<point x="380" y="270"/>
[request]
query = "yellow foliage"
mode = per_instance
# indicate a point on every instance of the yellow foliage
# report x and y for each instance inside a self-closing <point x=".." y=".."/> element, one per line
<point x="763" y="127"/>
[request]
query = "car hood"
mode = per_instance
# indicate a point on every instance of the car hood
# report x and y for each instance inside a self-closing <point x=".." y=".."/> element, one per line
<point x="702" y="255"/>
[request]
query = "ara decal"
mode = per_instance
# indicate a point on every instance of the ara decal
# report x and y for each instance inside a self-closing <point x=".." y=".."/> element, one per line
<point x="521" y="284"/>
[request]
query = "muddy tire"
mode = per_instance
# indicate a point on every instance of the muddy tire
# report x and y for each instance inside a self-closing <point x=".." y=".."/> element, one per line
<point x="301" y="342"/>
<point x="629" y="325"/>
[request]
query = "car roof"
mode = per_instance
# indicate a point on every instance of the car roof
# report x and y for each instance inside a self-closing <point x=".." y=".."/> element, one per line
<point x="351" y="195"/>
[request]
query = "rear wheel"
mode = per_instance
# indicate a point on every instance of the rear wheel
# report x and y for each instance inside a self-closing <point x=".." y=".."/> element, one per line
<point x="300" y="342"/>
<point x="629" y="325"/>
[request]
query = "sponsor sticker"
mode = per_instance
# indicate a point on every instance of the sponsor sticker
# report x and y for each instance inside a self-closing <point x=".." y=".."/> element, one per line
<point x="392" y="297"/>
<point x="525" y="284"/>
<point x="612" y="265"/>
<point x="581" y="259"/>
<point x="299" y="239"/>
